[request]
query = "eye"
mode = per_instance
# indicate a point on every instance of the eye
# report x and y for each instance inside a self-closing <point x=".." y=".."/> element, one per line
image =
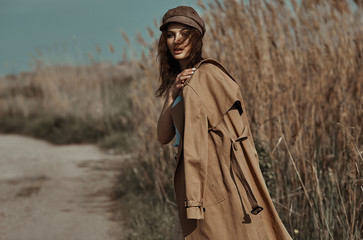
<point x="169" y="35"/>
<point x="185" y="33"/>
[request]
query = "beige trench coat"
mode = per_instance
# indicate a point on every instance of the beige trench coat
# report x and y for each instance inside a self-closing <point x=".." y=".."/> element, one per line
<point x="218" y="181"/>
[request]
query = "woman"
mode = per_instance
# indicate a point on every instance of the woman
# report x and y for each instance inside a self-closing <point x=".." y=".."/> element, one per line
<point x="219" y="188"/>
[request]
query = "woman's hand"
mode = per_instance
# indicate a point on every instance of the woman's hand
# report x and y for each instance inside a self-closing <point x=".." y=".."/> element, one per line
<point x="179" y="82"/>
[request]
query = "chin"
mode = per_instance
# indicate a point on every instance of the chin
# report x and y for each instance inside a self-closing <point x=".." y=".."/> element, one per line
<point x="180" y="57"/>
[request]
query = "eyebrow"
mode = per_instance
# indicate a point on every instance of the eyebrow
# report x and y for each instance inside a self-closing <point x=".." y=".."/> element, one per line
<point x="183" y="29"/>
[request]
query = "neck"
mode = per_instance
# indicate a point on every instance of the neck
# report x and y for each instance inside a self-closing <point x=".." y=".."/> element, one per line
<point x="182" y="64"/>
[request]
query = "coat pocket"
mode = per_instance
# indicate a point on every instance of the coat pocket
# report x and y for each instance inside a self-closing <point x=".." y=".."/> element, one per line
<point x="215" y="190"/>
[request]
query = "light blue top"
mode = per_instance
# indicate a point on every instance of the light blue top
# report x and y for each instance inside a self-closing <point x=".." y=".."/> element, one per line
<point x="177" y="133"/>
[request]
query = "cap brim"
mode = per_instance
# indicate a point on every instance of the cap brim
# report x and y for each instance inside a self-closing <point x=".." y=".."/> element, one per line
<point x="181" y="19"/>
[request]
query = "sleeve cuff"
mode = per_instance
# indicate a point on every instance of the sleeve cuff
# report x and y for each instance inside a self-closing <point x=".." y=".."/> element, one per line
<point x="194" y="209"/>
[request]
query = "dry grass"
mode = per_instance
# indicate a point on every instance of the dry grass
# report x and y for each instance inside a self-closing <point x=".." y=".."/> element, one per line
<point x="79" y="91"/>
<point x="300" y="69"/>
<point x="66" y="104"/>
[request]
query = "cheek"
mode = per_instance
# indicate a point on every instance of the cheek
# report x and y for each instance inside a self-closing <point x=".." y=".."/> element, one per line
<point x="187" y="45"/>
<point x="188" y="49"/>
<point x="169" y="43"/>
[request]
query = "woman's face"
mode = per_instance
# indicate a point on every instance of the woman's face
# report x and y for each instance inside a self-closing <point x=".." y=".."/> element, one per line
<point x="178" y="41"/>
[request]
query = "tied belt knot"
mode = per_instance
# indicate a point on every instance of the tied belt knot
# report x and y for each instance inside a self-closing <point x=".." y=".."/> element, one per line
<point x="237" y="171"/>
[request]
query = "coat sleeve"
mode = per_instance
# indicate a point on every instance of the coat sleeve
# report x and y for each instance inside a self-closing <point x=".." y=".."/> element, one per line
<point x="195" y="153"/>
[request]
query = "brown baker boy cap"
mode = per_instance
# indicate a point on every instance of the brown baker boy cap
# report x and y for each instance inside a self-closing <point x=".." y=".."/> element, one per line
<point x="185" y="15"/>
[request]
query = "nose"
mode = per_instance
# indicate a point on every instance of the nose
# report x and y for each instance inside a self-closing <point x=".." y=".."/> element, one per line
<point x="178" y="39"/>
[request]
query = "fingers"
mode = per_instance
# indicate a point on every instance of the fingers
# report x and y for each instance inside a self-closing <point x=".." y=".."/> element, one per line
<point x="186" y="74"/>
<point x="180" y="80"/>
<point x="189" y="71"/>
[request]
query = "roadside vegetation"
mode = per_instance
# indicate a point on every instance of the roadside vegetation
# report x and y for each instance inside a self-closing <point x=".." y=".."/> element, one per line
<point x="300" y="68"/>
<point x="68" y="104"/>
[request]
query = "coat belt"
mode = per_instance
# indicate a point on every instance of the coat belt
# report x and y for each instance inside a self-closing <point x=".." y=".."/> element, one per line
<point x="237" y="171"/>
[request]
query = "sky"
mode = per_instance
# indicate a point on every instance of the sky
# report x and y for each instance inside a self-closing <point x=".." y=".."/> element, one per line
<point x="65" y="31"/>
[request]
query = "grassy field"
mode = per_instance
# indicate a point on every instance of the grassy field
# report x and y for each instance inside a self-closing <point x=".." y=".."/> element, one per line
<point x="300" y="69"/>
<point x="66" y="104"/>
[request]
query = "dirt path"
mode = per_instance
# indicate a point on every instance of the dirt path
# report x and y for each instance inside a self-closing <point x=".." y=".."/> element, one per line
<point x="52" y="192"/>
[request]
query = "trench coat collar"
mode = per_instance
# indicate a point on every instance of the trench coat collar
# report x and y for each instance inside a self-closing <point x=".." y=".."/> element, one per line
<point x="214" y="62"/>
<point x="217" y="90"/>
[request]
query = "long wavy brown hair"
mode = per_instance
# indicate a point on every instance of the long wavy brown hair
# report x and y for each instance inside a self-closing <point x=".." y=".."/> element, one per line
<point x="169" y="68"/>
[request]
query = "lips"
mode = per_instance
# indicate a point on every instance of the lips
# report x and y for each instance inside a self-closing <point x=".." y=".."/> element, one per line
<point x="178" y="51"/>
